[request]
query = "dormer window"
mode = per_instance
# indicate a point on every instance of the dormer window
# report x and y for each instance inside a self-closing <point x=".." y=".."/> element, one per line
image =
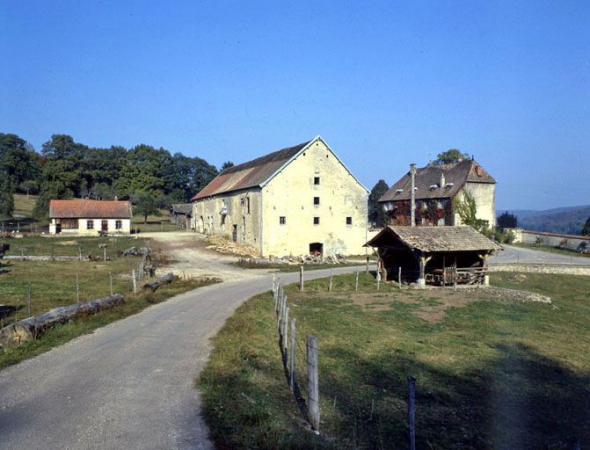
<point x="399" y="191"/>
<point x="449" y="185"/>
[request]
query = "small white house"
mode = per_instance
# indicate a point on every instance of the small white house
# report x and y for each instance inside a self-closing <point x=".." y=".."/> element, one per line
<point x="89" y="217"/>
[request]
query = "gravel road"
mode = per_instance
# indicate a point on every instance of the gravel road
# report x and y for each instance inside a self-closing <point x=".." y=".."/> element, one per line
<point x="128" y="385"/>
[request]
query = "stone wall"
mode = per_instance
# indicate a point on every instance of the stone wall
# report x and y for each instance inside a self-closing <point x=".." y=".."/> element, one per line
<point x="568" y="241"/>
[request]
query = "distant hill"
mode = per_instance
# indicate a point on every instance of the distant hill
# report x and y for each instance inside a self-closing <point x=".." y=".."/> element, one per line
<point x="568" y="220"/>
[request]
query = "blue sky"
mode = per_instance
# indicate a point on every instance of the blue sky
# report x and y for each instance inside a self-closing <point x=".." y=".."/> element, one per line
<point x="384" y="83"/>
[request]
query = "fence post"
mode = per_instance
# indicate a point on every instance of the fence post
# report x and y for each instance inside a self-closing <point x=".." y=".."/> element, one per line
<point x="367" y="269"/>
<point x="301" y="279"/>
<point x="313" y="400"/>
<point x="104" y="254"/>
<point x="293" y="342"/>
<point x="331" y="276"/>
<point x="111" y="282"/>
<point x="30" y="289"/>
<point x="411" y="413"/>
<point x="399" y="278"/>
<point x="286" y="337"/>
<point x="356" y="281"/>
<point x="134" y="281"/>
<point x="77" y="288"/>
<point x="378" y="277"/>
<point x="80" y="253"/>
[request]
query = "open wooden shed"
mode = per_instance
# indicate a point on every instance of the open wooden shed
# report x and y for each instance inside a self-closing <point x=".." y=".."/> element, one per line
<point x="434" y="255"/>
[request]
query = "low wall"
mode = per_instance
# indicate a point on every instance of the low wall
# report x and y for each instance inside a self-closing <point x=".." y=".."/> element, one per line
<point x="569" y="241"/>
<point x="560" y="269"/>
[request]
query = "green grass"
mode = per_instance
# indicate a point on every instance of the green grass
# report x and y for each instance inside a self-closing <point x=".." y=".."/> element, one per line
<point x="61" y="334"/>
<point x="46" y="245"/>
<point x="154" y="223"/>
<point x="490" y="374"/>
<point x="23" y="204"/>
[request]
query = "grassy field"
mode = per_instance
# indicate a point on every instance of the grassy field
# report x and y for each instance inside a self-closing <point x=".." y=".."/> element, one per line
<point x="53" y="284"/>
<point x="490" y="374"/>
<point x="249" y="264"/>
<point x="154" y="223"/>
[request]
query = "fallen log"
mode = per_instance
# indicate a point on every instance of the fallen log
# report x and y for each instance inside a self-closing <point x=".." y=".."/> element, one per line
<point x="28" y="329"/>
<point x="166" y="279"/>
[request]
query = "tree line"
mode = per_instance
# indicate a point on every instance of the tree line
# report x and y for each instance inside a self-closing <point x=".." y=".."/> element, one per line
<point x="67" y="169"/>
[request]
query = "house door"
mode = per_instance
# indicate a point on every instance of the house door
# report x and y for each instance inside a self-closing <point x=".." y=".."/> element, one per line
<point x="234" y="233"/>
<point x="104" y="225"/>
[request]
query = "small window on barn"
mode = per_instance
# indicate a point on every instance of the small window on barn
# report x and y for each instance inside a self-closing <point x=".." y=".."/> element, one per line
<point x="282" y="220"/>
<point x="90" y="224"/>
<point x="118" y="224"/>
<point x="316" y="220"/>
<point x="316" y="181"/>
<point x="349" y="221"/>
<point x="316" y="201"/>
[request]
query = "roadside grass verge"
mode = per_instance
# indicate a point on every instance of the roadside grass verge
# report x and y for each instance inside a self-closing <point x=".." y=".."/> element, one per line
<point x="490" y="374"/>
<point x="250" y="264"/>
<point x="61" y="334"/>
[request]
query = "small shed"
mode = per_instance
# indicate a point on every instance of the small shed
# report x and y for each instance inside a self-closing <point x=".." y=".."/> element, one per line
<point x="181" y="214"/>
<point x="434" y="255"/>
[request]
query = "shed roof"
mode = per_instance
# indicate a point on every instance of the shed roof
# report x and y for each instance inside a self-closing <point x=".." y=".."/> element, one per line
<point x="91" y="209"/>
<point x="250" y="174"/>
<point x="456" y="175"/>
<point x="435" y="239"/>
<point x="182" y="208"/>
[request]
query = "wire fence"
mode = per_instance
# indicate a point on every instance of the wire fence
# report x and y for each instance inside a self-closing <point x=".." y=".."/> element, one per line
<point x="300" y="358"/>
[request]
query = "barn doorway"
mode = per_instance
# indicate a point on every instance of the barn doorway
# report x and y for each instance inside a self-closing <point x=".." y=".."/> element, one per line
<point x="316" y="249"/>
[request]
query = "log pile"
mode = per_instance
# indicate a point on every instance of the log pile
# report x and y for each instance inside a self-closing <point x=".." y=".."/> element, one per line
<point x="28" y="329"/>
<point x="223" y="245"/>
<point x="155" y="284"/>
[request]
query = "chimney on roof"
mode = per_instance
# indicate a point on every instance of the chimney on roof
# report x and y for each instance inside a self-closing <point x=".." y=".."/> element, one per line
<point x="413" y="195"/>
<point x="442" y="179"/>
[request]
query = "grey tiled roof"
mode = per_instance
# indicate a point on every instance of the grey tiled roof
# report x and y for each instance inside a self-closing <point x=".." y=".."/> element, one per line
<point x="456" y="175"/>
<point x="435" y="239"/>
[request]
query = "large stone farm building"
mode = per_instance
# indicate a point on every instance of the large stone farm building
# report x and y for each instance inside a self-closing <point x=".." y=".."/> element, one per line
<point x="295" y="201"/>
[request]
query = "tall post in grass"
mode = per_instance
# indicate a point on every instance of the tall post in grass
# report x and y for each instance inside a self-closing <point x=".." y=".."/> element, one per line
<point x="80" y="253"/>
<point x="378" y="277"/>
<point x="367" y="268"/>
<point x="77" y="288"/>
<point x="331" y="277"/>
<point x="286" y="337"/>
<point x="356" y="281"/>
<point x="301" y="279"/>
<point x="411" y="413"/>
<point x="313" y="391"/>
<point x="104" y="253"/>
<point x="399" y="278"/>
<point x="111" y="282"/>
<point x="292" y="361"/>
<point x="30" y="290"/>
<point x="134" y="278"/>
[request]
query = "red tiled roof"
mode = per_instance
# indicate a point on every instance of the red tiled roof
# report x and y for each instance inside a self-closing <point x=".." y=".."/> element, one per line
<point x="91" y="209"/>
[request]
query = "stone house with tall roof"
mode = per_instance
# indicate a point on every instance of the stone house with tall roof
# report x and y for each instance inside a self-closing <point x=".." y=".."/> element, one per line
<point x="437" y="188"/>
<point x="296" y="201"/>
<point x="90" y="217"/>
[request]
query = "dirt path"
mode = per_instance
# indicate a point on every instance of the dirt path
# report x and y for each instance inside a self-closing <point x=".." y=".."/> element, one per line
<point x="187" y="254"/>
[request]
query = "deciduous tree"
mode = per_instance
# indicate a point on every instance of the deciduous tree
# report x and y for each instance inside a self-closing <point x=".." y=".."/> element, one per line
<point x="376" y="213"/>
